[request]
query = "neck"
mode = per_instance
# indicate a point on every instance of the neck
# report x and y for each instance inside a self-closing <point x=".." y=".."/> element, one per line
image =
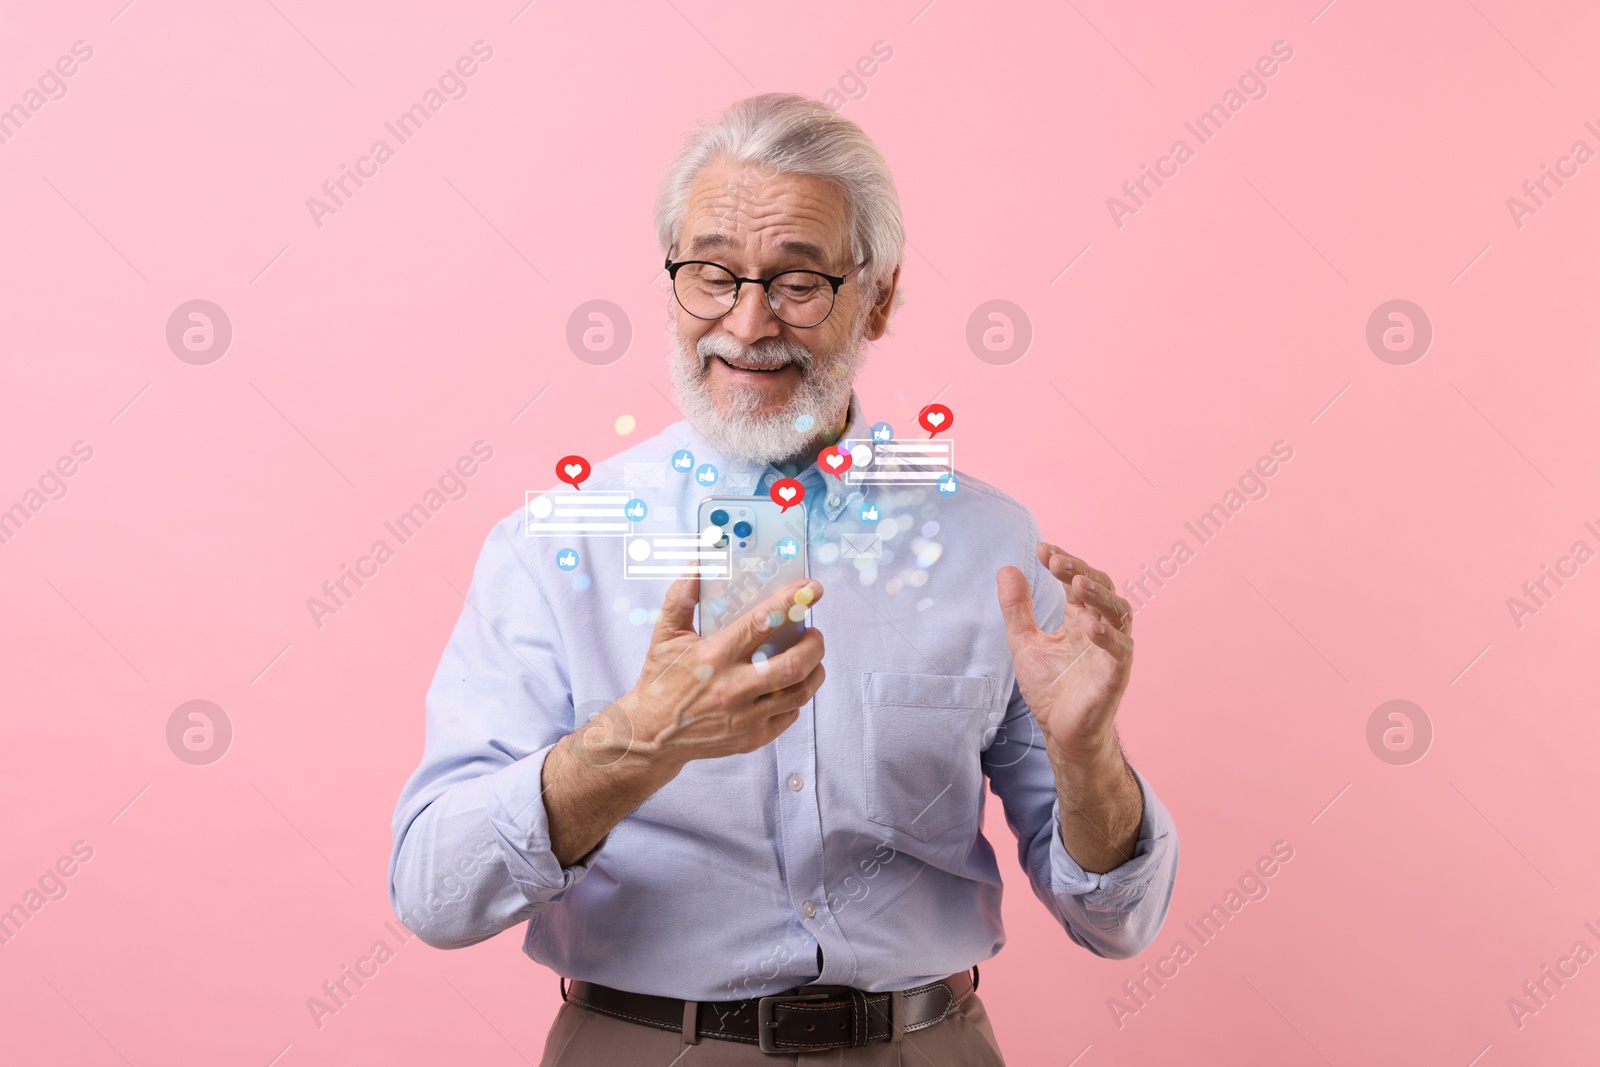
<point x="833" y="431"/>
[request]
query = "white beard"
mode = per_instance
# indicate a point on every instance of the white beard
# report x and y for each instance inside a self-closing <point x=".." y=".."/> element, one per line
<point x="746" y="432"/>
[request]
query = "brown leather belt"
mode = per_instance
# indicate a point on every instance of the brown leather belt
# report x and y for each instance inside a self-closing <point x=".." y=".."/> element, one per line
<point x="807" y="1019"/>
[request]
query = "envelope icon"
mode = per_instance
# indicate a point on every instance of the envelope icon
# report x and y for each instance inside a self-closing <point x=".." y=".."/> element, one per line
<point x="651" y="475"/>
<point x="863" y="546"/>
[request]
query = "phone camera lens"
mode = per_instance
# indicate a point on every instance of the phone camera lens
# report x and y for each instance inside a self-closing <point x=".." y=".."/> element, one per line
<point x="719" y="518"/>
<point x="741" y="528"/>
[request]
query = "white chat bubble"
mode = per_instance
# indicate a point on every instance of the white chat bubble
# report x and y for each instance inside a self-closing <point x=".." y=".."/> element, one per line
<point x="576" y="513"/>
<point x="899" y="461"/>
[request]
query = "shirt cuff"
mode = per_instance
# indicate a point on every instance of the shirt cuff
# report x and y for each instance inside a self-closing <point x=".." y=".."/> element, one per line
<point x="523" y="827"/>
<point x="1121" y="887"/>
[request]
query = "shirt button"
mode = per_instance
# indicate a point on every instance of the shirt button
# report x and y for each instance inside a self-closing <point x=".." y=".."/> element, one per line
<point x="833" y="499"/>
<point x="769" y="479"/>
<point x="809" y="910"/>
<point x="796" y="783"/>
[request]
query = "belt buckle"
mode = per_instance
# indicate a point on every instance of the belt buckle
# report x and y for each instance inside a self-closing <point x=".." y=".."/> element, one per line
<point x="764" y="1021"/>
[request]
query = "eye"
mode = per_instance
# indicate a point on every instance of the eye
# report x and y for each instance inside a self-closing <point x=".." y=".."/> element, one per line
<point x="712" y="279"/>
<point x="797" y="288"/>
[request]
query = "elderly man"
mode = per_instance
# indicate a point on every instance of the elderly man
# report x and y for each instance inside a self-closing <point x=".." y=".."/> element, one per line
<point x="738" y="858"/>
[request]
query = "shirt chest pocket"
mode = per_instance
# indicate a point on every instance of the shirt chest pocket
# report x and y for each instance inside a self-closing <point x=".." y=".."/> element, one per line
<point x="922" y="738"/>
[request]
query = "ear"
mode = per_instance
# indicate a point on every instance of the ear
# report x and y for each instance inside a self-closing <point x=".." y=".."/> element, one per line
<point x="878" y="318"/>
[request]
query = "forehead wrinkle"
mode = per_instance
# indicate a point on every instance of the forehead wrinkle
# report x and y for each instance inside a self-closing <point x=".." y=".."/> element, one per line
<point x="763" y="242"/>
<point x="765" y="216"/>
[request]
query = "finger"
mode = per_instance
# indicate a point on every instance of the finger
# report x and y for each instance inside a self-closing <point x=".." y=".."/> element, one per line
<point x="757" y="624"/>
<point x="1049" y="554"/>
<point x="677" y="610"/>
<point x="1113" y="640"/>
<point x="1016" y="603"/>
<point x="1067" y="572"/>
<point x="778" y="724"/>
<point x="1064" y="564"/>
<point x="793" y="697"/>
<point x="1103" y="600"/>
<point x="1062" y="571"/>
<point x="787" y="668"/>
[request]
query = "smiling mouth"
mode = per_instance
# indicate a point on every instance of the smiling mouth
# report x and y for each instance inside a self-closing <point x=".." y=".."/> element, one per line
<point x="754" y="368"/>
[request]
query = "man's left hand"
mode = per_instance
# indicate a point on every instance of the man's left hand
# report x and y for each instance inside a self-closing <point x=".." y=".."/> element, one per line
<point x="1072" y="679"/>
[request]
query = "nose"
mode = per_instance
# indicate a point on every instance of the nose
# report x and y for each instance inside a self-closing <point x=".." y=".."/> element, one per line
<point x="751" y="317"/>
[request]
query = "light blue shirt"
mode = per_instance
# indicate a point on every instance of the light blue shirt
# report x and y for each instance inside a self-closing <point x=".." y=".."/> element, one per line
<point x="854" y="839"/>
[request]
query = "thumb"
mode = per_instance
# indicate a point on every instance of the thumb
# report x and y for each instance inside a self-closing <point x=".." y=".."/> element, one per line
<point x="677" y="610"/>
<point x="1016" y="604"/>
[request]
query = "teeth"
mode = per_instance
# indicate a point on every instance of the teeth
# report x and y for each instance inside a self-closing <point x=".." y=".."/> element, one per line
<point x="757" y="367"/>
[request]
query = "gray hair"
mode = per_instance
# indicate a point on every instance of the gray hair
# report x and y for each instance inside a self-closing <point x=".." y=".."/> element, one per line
<point x="789" y="133"/>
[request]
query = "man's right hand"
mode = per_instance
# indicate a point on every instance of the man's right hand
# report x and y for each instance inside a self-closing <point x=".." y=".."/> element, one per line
<point x="697" y="698"/>
<point x="702" y="697"/>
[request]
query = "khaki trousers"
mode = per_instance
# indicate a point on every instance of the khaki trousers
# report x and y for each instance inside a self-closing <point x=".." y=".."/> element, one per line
<point x="583" y="1038"/>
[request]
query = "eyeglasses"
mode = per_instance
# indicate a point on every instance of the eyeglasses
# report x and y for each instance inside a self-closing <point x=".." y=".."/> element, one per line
<point x="798" y="298"/>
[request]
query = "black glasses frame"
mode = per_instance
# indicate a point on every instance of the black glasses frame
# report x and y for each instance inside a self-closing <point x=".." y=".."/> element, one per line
<point x="834" y="280"/>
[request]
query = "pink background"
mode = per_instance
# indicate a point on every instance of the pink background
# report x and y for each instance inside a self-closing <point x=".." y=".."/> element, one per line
<point x="1224" y="316"/>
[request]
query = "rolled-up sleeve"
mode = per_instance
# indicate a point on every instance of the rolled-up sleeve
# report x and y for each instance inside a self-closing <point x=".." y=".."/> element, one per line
<point x="1115" y="914"/>
<point x="1118" y="913"/>
<point x="472" y="850"/>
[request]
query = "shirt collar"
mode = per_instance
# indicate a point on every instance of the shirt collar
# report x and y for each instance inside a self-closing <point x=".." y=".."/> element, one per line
<point x="826" y="493"/>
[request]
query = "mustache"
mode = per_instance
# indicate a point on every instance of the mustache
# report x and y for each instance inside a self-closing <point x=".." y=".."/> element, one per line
<point x="770" y="353"/>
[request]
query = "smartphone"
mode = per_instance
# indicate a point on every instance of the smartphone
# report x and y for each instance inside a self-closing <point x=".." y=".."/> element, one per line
<point x="766" y="551"/>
